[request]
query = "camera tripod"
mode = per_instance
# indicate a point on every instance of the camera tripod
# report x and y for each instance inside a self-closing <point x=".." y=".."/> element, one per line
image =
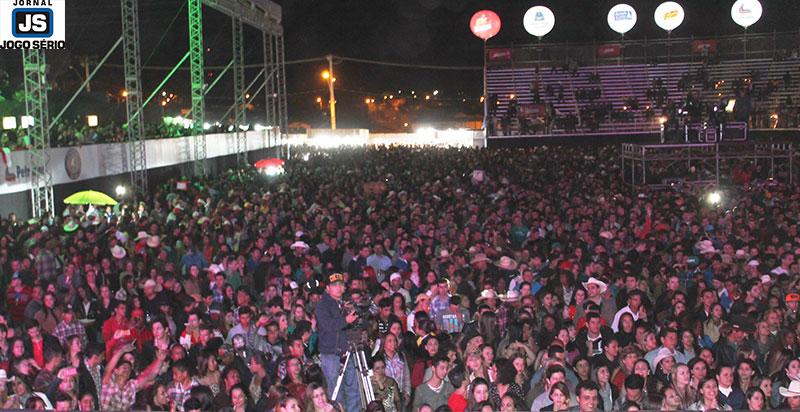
<point x="364" y="375"/>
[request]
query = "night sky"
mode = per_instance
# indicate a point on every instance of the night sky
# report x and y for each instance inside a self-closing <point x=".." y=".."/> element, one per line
<point x="433" y="32"/>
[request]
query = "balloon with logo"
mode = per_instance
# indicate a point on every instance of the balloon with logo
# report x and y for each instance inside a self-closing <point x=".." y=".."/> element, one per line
<point x="746" y="12"/>
<point x="538" y="21"/>
<point x="485" y="24"/>
<point x="622" y="18"/>
<point x="669" y="15"/>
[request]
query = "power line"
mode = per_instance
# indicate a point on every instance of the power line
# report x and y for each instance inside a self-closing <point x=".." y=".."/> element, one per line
<point x="321" y="58"/>
<point x="408" y="65"/>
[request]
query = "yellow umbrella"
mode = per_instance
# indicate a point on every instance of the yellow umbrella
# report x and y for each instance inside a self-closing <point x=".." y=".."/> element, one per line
<point x="90" y="197"/>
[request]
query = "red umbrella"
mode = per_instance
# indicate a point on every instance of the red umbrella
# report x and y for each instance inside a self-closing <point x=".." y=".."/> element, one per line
<point x="269" y="162"/>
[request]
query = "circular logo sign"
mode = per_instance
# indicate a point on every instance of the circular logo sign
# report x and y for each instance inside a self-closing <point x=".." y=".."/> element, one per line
<point x="746" y="12"/>
<point x="72" y="163"/>
<point x="669" y="15"/>
<point x="539" y="20"/>
<point x="485" y="24"/>
<point x="621" y="18"/>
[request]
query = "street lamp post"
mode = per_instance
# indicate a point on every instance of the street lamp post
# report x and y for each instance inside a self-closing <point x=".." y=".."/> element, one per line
<point x="328" y="75"/>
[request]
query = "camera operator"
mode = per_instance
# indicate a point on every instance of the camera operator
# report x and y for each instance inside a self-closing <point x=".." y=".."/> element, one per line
<point x="333" y="318"/>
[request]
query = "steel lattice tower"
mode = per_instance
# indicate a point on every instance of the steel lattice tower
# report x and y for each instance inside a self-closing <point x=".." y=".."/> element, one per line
<point x="133" y="103"/>
<point x="198" y="84"/>
<point x="239" y="111"/>
<point x="34" y="66"/>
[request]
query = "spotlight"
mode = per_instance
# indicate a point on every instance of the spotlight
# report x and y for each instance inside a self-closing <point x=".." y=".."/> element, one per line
<point x="714" y="198"/>
<point x="120" y="190"/>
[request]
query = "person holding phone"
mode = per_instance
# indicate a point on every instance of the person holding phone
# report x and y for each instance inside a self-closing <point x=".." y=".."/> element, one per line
<point x="118" y="392"/>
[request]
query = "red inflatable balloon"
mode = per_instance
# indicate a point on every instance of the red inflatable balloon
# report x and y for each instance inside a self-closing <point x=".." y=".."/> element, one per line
<point x="485" y="24"/>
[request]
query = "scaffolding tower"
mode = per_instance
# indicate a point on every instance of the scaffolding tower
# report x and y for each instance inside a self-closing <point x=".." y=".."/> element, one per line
<point x="700" y="164"/>
<point x="137" y="155"/>
<point x="239" y="112"/>
<point x="34" y="67"/>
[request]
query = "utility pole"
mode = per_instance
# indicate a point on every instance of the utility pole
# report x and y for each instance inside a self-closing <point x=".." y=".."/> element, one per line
<point x="87" y="61"/>
<point x="331" y="79"/>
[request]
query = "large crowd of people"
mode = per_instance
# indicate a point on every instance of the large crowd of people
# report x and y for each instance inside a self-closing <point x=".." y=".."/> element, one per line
<point x="471" y="280"/>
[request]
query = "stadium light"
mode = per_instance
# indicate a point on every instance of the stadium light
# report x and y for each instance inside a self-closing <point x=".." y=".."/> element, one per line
<point x="662" y="120"/>
<point x="325" y="74"/>
<point x="714" y="198"/>
<point x="120" y="190"/>
<point x="9" y="122"/>
<point x="91" y="120"/>
<point x="26" y="121"/>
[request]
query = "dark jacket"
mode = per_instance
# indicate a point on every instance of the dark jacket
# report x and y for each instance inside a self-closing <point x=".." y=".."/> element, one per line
<point x="736" y="400"/>
<point x="725" y="352"/>
<point x="330" y="320"/>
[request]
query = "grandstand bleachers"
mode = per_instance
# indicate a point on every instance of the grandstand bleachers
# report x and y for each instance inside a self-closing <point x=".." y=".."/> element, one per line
<point x="618" y="83"/>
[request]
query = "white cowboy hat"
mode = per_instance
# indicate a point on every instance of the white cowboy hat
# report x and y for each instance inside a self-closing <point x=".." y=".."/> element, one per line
<point x="215" y="268"/>
<point x="118" y="252"/>
<point x="480" y="257"/>
<point x="606" y="234"/>
<point x="299" y="245"/>
<point x="141" y="235"/>
<point x="511" y="296"/>
<point x="597" y="282"/>
<point x="792" y="391"/>
<point x="121" y="236"/>
<point x="706" y="246"/>
<point x="444" y="254"/>
<point x="154" y="241"/>
<point x="662" y="354"/>
<point x="487" y="294"/>
<point x="506" y="263"/>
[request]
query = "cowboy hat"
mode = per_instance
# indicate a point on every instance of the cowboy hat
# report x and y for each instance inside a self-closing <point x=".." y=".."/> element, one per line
<point x="706" y="246"/>
<point x="662" y="354"/>
<point x="511" y="296"/>
<point x="299" y="245"/>
<point x="121" y="236"/>
<point x="70" y="226"/>
<point x="792" y="391"/>
<point x="118" y="252"/>
<point x="506" y="263"/>
<point x="597" y="282"/>
<point x="607" y="234"/>
<point x="487" y="294"/>
<point x="154" y="241"/>
<point x="480" y="257"/>
<point x="141" y="235"/>
<point x="444" y="254"/>
<point x="215" y="268"/>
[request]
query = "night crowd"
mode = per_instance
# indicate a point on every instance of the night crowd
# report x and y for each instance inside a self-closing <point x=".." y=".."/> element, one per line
<point x="473" y="280"/>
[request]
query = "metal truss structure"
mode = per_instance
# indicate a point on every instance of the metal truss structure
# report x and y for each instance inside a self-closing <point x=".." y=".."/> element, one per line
<point x="197" y="74"/>
<point x="34" y="66"/>
<point x="239" y="112"/>
<point x="264" y="15"/>
<point x="133" y="103"/>
<point x="275" y="87"/>
<point x="662" y="165"/>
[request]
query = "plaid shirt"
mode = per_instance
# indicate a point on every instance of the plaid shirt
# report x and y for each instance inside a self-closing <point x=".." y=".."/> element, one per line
<point x="65" y="330"/>
<point x="179" y="394"/>
<point x="114" y="398"/>
<point x="45" y="264"/>
<point x="503" y="315"/>
<point x="439" y="304"/>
